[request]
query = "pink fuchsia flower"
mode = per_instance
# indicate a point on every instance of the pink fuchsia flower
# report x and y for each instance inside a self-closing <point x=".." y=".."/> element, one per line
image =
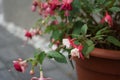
<point x="28" y="35"/>
<point x="68" y="42"/>
<point x="46" y="12"/>
<point x="41" y="77"/>
<point x="34" y="5"/>
<point x="33" y="8"/>
<point x="32" y="72"/>
<point x="77" y="52"/>
<point x="107" y="18"/>
<point x="66" y="5"/>
<point x="72" y="43"/>
<point x="55" y="22"/>
<point x="20" y="65"/>
<point x="49" y="11"/>
<point x="35" y="78"/>
<point x="54" y="4"/>
<point x="32" y="32"/>
<point x="80" y="48"/>
<point x="45" y="9"/>
<point x="44" y="5"/>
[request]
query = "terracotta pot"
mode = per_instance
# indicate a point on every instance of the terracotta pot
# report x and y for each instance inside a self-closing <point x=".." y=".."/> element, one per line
<point x="102" y="65"/>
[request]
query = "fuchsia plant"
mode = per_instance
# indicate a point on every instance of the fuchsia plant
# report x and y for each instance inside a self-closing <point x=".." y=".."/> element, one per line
<point x="76" y="27"/>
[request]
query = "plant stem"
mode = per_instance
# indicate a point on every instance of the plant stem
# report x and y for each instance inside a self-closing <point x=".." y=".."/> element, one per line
<point x="41" y="72"/>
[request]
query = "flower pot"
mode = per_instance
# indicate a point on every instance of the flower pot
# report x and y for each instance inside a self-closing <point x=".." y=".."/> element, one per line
<point x="102" y="65"/>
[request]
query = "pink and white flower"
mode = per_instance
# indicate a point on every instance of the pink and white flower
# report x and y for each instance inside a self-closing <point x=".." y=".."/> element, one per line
<point x="34" y="5"/>
<point x="32" y="32"/>
<point x="54" y="4"/>
<point x="66" y="43"/>
<point x="20" y="65"/>
<point x="66" y="5"/>
<point x="41" y="77"/>
<point x="35" y="78"/>
<point x="75" y="52"/>
<point x="54" y="46"/>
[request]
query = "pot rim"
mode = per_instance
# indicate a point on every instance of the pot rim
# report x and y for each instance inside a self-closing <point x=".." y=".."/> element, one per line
<point x="105" y="53"/>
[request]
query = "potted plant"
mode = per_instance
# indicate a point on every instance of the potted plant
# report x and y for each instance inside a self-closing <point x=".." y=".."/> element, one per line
<point x="80" y="29"/>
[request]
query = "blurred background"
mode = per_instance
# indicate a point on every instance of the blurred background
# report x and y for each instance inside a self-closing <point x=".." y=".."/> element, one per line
<point x="19" y="12"/>
<point x="15" y="16"/>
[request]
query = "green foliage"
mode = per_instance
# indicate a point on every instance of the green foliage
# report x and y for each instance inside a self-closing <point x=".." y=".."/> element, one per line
<point x="88" y="47"/>
<point x="113" y="40"/>
<point x="114" y="9"/>
<point x="39" y="57"/>
<point x="96" y="10"/>
<point x="89" y="23"/>
<point x="77" y="28"/>
<point x="57" y="56"/>
<point x="84" y="29"/>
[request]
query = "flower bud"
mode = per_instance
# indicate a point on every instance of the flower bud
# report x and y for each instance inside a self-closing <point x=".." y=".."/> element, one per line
<point x="32" y="72"/>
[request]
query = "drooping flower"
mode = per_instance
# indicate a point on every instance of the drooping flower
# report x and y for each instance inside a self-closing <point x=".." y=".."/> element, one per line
<point x="54" y="46"/>
<point x="54" y="4"/>
<point x="77" y="51"/>
<point x="55" y="22"/>
<point x="66" y="6"/>
<point x="32" y="72"/>
<point x="44" y="5"/>
<point x="28" y="35"/>
<point x="66" y="43"/>
<point x="34" y="5"/>
<point x="107" y="18"/>
<point x="32" y="32"/>
<point x="35" y="78"/>
<point x="72" y="43"/>
<point x="33" y="8"/>
<point x="20" y="65"/>
<point x="46" y="9"/>
<point x="80" y="48"/>
<point x="41" y="77"/>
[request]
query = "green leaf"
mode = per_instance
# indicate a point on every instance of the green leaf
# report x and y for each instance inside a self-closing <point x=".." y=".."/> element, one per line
<point x="40" y="57"/>
<point x="115" y="9"/>
<point x="100" y="1"/>
<point x="84" y="29"/>
<point x="96" y="10"/>
<point x="57" y="56"/>
<point x="56" y="34"/>
<point x="49" y="29"/>
<point x="113" y="40"/>
<point x="102" y="31"/>
<point x="76" y="3"/>
<point x="88" y="47"/>
<point x="77" y="27"/>
<point x="33" y="61"/>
